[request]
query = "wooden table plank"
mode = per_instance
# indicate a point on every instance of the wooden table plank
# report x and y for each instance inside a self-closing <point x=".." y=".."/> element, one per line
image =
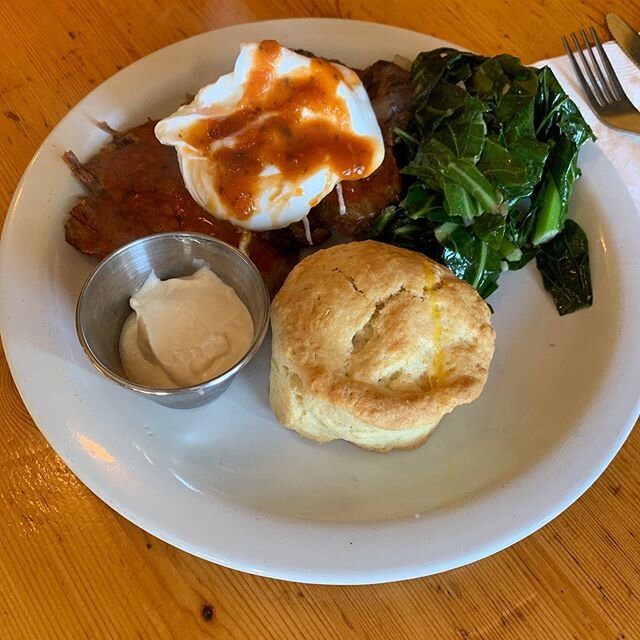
<point x="72" y="568"/>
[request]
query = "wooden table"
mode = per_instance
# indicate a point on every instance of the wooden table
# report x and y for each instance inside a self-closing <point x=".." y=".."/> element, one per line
<point x="72" y="568"/>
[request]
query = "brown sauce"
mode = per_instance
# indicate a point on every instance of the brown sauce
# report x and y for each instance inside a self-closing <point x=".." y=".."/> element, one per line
<point x="142" y="192"/>
<point x="269" y="129"/>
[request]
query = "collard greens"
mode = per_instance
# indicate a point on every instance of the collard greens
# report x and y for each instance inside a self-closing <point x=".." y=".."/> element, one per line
<point x="491" y="158"/>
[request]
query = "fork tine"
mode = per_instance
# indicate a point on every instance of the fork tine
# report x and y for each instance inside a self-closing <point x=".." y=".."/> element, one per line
<point x="595" y="87"/>
<point x="581" y="78"/>
<point x="621" y="95"/>
<point x="607" y="90"/>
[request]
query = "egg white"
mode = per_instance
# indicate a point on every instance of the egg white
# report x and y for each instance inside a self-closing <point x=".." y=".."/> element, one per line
<point x="279" y="201"/>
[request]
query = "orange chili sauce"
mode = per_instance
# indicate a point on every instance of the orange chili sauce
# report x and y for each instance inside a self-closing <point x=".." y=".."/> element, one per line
<point x="269" y="129"/>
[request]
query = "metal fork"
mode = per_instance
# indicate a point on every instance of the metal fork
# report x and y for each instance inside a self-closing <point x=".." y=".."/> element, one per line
<point x="603" y="89"/>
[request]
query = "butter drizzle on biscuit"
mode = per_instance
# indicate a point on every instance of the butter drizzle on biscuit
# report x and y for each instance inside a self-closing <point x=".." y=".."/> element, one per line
<point x="438" y="359"/>
<point x="374" y="344"/>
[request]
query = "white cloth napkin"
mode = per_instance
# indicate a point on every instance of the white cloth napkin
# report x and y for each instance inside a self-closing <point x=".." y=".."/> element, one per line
<point x="622" y="149"/>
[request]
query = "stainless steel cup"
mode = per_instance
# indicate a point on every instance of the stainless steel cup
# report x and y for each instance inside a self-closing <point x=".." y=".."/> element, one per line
<point x="103" y="305"/>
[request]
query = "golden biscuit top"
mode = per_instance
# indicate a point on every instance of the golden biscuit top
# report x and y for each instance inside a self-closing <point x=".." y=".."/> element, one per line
<point x="383" y="332"/>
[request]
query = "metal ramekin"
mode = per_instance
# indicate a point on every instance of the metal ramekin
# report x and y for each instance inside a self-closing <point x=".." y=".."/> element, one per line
<point x="103" y="305"/>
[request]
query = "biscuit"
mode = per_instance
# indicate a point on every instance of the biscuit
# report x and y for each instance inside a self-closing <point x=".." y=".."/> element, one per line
<point x="374" y="344"/>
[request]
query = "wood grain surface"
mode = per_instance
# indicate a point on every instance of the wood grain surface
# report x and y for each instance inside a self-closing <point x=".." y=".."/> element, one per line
<point x="72" y="568"/>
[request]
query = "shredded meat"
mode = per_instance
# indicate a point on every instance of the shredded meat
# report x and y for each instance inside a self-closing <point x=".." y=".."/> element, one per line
<point x="363" y="199"/>
<point x="136" y="189"/>
<point x="389" y="89"/>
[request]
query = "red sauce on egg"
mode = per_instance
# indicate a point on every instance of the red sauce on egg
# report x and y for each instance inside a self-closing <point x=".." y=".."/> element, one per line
<point x="268" y="128"/>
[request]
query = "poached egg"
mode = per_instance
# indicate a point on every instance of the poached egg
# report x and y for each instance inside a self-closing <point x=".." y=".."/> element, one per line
<point x="265" y="143"/>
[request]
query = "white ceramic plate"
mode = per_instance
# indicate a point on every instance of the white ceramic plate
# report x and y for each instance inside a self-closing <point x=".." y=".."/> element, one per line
<point x="225" y="482"/>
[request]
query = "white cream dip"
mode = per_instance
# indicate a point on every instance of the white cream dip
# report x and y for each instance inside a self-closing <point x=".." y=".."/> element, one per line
<point x="184" y="331"/>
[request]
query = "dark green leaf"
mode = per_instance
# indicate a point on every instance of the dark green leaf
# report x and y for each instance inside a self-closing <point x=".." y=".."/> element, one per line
<point x="533" y="154"/>
<point x="421" y="202"/>
<point x="429" y="163"/>
<point x="402" y="136"/>
<point x="429" y="66"/>
<point x="489" y="228"/>
<point x="551" y="202"/>
<point x="395" y="227"/>
<point x="444" y="101"/>
<point x="520" y="222"/>
<point x="438" y="87"/>
<point x="460" y="72"/>
<point x="504" y="170"/>
<point x="464" y="135"/>
<point x="436" y="164"/>
<point x="520" y="92"/>
<point x="381" y="223"/>
<point x="467" y="175"/>
<point x="519" y="127"/>
<point x="458" y="203"/>
<point x="488" y="80"/>
<point x="472" y="260"/>
<point x="514" y="172"/>
<point x="556" y="113"/>
<point x="564" y="265"/>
